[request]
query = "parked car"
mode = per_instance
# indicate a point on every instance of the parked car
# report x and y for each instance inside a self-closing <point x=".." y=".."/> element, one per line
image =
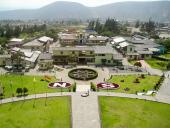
<point x="8" y="68"/>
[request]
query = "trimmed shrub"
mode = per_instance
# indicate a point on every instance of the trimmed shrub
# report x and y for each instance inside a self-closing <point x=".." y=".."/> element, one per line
<point x="136" y="80"/>
<point x="74" y="87"/>
<point x="93" y="87"/>
<point x="138" y="64"/>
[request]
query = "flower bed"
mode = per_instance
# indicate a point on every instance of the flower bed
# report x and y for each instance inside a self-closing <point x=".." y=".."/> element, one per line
<point x="109" y="86"/>
<point x="59" y="85"/>
<point x="83" y="74"/>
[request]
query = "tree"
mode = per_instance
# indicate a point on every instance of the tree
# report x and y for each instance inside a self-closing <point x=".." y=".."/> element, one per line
<point x="19" y="91"/>
<point x="91" y="25"/>
<point x="16" y="59"/>
<point x="138" y="64"/>
<point x="98" y="27"/>
<point x="168" y="66"/>
<point x="137" y="24"/>
<point x="166" y="43"/>
<point x="148" y="26"/>
<point x="25" y="90"/>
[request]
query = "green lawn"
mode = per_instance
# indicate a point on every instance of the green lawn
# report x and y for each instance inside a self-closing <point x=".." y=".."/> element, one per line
<point x="132" y="61"/>
<point x="25" y="81"/>
<point x="167" y="55"/>
<point x="158" y="64"/>
<point x="56" y="114"/>
<point x="133" y="113"/>
<point x="147" y="83"/>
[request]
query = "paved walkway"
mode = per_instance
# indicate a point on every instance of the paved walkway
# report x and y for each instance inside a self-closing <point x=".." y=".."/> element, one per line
<point x="82" y="88"/>
<point x="151" y="70"/>
<point x="103" y="73"/>
<point x="164" y="91"/>
<point x="85" y="111"/>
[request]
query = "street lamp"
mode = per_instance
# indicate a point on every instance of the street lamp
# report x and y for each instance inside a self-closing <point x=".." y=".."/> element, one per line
<point x="11" y="90"/>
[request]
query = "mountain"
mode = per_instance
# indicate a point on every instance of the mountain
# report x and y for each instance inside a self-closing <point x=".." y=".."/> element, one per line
<point x="157" y="10"/>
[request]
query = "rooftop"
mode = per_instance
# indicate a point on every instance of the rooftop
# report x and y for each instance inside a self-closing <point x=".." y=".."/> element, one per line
<point x="103" y="49"/>
<point x="16" y="40"/>
<point x="78" y="48"/>
<point x="45" y="56"/>
<point x="118" y="39"/>
<point x="98" y="38"/>
<point x="5" y="56"/>
<point x="45" y="39"/>
<point x="123" y="44"/>
<point x="34" y="43"/>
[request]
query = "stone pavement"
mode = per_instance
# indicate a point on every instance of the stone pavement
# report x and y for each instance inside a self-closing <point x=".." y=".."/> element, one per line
<point x="85" y="111"/>
<point x="82" y="88"/>
<point x="103" y="73"/>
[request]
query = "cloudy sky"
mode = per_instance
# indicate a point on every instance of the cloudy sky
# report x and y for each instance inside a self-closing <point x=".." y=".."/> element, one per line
<point x="31" y="4"/>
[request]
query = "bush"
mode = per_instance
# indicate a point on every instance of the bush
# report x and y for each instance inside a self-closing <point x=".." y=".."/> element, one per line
<point x="138" y="64"/>
<point x="19" y="91"/>
<point x="25" y="90"/>
<point x="126" y="89"/>
<point x="74" y="87"/>
<point x="168" y="66"/>
<point x="93" y="87"/>
<point x="136" y="80"/>
<point x="122" y="81"/>
<point x="142" y="76"/>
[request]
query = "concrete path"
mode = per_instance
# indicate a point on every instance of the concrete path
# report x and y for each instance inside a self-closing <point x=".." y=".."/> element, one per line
<point x="103" y="74"/>
<point x="151" y="70"/>
<point x="82" y="88"/>
<point x="125" y="62"/>
<point x="144" y="64"/>
<point x="85" y="111"/>
<point x="164" y="91"/>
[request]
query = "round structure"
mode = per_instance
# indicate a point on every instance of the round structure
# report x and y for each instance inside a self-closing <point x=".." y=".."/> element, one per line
<point x="83" y="74"/>
<point x="59" y="85"/>
<point x="110" y="86"/>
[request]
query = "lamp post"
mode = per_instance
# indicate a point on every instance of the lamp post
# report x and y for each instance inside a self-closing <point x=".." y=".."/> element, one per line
<point x="34" y="91"/>
<point x="11" y="90"/>
<point x="46" y="99"/>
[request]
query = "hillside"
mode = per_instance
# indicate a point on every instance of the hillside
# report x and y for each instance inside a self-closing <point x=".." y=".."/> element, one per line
<point x="158" y="10"/>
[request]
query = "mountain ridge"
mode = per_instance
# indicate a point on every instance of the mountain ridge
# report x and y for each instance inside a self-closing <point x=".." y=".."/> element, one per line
<point x="156" y="10"/>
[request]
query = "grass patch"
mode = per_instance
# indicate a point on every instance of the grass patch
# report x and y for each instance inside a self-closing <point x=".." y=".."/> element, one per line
<point x="158" y="64"/>
<point x="146" y="83"/>
<point x="26" y="81"/>
<point x="167" y="55"/>
<point x="132" y="62"/>
<point x="56" y="114"/>
<point x="133" y="113"/>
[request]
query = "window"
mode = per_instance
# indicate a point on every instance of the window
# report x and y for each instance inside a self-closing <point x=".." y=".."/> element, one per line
<point x="101" y="54"/>
<point x="61" y="52"/>
<point x="131" y="49"/>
